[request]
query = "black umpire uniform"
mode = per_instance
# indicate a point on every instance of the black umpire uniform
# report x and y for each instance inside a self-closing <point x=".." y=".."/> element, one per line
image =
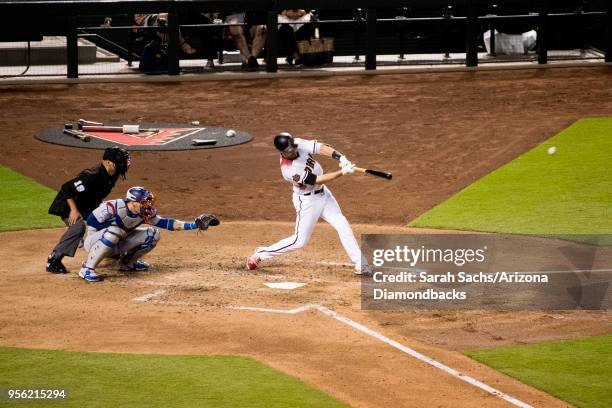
<point x="87" y="190"/>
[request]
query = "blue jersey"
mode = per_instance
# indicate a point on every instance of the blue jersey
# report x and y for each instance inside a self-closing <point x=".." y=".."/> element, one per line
<point x="116" y="213"/>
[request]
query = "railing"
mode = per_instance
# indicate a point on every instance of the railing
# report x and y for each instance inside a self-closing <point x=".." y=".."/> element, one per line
<point x="364" y="21"/>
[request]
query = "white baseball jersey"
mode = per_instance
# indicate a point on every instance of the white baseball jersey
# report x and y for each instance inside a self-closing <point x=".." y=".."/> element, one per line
<point x="300" y="171"/>
<point x="116" y="213"/>
<point x="309" y="208"/>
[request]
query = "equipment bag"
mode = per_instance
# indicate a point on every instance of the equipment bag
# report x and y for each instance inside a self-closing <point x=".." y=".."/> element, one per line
<point x="316" y="51"/>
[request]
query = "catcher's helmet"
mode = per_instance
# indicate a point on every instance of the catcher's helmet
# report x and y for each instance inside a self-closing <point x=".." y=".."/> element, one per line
<point x="145" y="198"/>
<point x="138" y="194"/>
<point x="119" y="156"/>
<point x="283" y="140"/>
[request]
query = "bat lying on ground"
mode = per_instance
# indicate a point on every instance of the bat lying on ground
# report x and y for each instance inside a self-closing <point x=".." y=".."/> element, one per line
<point x="122" y="129"/>
<point x="79" y="135"/>
<point x="376" y="173"/>
<point x="89" y="122"/>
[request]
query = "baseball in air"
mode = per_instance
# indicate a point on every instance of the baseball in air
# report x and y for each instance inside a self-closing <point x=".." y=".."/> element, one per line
<point x="552" y="150"/>
<point x="230" y="133"/>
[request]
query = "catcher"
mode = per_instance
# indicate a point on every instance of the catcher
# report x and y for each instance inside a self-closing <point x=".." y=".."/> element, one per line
<point x="114" y="230"/>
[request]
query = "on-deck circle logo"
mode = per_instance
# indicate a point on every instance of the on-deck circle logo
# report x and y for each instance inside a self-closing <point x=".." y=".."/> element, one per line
<point x="158" y="137"/>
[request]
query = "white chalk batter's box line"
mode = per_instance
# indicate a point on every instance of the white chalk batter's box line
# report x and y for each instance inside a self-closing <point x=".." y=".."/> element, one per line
<point x="357" y="326"/>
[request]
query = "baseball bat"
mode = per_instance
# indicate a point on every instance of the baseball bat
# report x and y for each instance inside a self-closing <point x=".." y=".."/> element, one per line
<point x="122" y="129"/>
<point x="376" y="173"/>
<point x="89" y="122"/>
<point x="79" y="135"/>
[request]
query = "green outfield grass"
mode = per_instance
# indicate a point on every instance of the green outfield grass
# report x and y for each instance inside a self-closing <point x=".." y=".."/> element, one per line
<point x="569" y="192"/>
<point x="24" y="203"/>
<point x="577" y="371"/>
<point x="132" y="380"/>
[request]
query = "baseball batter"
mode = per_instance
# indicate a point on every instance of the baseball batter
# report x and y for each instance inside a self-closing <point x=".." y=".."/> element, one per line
<point x="114" y="229"/>
<point x="311" y="198"/>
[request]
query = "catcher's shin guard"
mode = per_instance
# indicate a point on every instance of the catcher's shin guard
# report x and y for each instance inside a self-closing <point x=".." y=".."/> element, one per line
<point x="104" y="247"/>
<point x="137" y="252"/>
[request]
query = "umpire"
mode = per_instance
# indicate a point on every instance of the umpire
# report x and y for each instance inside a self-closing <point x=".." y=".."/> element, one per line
<point x="79" y="197"/>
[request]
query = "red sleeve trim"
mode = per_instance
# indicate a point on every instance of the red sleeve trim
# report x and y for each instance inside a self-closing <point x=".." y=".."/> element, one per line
<point x="112" y="207"/>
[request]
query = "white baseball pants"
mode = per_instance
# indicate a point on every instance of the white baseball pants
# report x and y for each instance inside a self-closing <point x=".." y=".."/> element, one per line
<point x="308" y="211"/>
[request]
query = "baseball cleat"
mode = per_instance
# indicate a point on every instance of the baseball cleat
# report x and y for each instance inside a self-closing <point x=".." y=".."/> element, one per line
<point x="55" y="266"/>
<point x="89" y="275"/>
<point x="136" y="266"/>
<point x="363" y="270"/>
<point x="252" y="262"/>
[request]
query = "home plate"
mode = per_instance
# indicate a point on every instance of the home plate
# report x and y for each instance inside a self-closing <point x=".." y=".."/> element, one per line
<point x="284" y="285"/>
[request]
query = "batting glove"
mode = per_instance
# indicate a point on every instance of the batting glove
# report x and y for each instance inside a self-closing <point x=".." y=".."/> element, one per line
<point x="348" y="169"/>
<point x="344" y="161"/>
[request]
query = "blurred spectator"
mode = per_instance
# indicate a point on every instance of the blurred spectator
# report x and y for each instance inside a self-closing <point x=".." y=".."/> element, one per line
<point x="511" y="44"/>
<point x="207" y="39"/>
<point x="255" y="28"/>
<point x="161" y="20"/>
<point x="292" y="29"/>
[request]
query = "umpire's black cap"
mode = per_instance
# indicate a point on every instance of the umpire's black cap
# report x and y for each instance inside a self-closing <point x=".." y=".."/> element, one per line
<point x="119" y="156"/>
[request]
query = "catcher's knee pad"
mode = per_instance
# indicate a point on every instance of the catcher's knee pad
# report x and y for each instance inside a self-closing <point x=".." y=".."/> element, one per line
<point x="112" y="236"/>
<point x="153" y="236"/>
<point x="105" y="246"/>
<point x="100" y="249"/>
<point x="150" y="241"/>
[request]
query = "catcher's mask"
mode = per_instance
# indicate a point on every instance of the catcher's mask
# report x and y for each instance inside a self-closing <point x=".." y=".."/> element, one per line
<point x="145" y="198"/>
<point x="286" y="145"/>
<point x="120" y="157"/>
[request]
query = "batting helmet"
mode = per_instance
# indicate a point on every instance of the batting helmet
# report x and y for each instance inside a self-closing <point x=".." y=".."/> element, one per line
<point x="284" y="140"/>
<point x="119" y="156"/>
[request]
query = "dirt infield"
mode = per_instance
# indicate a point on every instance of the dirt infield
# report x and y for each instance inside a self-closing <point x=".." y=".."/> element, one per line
<point x="203" y="278"/>
<point x="436" y="132"/>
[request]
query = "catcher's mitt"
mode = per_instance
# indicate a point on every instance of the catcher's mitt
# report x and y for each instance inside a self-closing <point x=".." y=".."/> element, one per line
<point x="203" y="221"/>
